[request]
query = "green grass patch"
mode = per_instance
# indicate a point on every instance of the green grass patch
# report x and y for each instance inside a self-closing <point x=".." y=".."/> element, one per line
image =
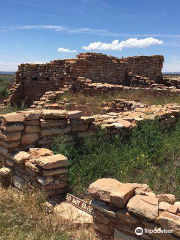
<point x="148" y="156"/>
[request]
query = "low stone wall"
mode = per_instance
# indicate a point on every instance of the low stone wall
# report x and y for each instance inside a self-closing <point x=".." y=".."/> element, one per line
<point x="130" y="211"/>
<point x="36" y="168"/>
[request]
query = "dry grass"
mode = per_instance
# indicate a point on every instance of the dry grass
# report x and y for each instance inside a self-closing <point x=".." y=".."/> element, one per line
<point x="92" y="104"/>
<point x="23" y="217"/>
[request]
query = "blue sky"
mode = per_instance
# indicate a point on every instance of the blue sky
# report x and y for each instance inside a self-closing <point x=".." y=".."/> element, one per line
<point x="44" y="30"/>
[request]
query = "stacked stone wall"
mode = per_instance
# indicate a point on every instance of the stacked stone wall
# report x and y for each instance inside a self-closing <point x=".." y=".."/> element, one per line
<point x="124" y="211"/>
<point x="36" y="79"/>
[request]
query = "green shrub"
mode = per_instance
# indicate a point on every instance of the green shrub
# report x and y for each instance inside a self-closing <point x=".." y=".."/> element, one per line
<point x="3" y="92"/>
<point x="148" y="156"/>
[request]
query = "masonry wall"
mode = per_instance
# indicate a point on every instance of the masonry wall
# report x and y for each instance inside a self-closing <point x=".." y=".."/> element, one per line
<point x="33" y="80"/>
<point x="121" y="209"/>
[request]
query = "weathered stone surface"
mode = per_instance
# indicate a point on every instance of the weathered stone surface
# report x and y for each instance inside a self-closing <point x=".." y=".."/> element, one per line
<point x="103" y="228"/>
<point x="122" y="236"/>
<point x="39" y="152"/>
<point x="173" y="209"/>
<point x="177" y="204"/>
<point x="127" y="217"/>
<point x="102" y="188"/>
<point x="11" y="136"/>
<point x="72" y="214"/>
<point x="74" y="114"/>
<point x="102" y="207"/>
<point x="13" y="128"/>
<point x="13" y="118"/>
<point x="55" y="131"/>
<point x="88" y="120"/>
<point x="144" y="206"/>
<point x="169" y="221"/>
<point x="4" y="171"/>
<point x="32" y="129"/>
<point x="32" y="123"/>
<point x="18" y="182"/>
<point x="53" y="123"/>
<point x="47" y="173"/>
<point x="21" y="157"/>
<point x="3" y="151"/>
<point x="121" y="195"/>
<point x="50" y="162"/>
<point x="54" y="114"/>
<point x="34" y="115"/>
<point x="169" y="198"/>
<point x="44" y="181"/>
<point x="29" y="138"/>
<point x="10" y="162"/>
<point x="52" y="187"/>
<point x="163" y="206"/>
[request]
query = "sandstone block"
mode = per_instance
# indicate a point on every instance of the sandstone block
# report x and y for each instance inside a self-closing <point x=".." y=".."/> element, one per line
<point x="88" y="120"/>
<point x="13" y="118"/>
<point x="52" y="172"/>
<point x="21" y="157"/>
<point x="3" y="151"/>
<point x="50" y="162"/>
<point x="52" y="186"/>
<point x="170" y="221"/>
<point x="18" y="182"/>
<point x="34" y="115"/>
<point x="127" y="217"/>
<point x="53" y="123"/>
<point x="44" y="181"/>
<point x="169" y="198"/>
<point x="144" y="206"/>
<point x="11" y="136"/>
<point x="101" y="189"/>
<point x="32" y="123"/>
<point x="123" y="236"/>
<point x="54" y="114"/>
<point x="4" y="171"/>
<point x="29" y="138"/>
<point x="121" y="195"/>
<point x="32" y="129"/>
<point x="13" y="127"/>
<point x="55" y="131"/>
<point x="74" y="114"/>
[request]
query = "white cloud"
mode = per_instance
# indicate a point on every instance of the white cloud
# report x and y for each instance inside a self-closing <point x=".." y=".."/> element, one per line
<point x="129" y="43"/>
<point x="66" y="50"/>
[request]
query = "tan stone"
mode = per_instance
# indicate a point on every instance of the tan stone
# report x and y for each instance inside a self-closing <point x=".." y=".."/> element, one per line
<point x="55" y="186"/>
<point x="118" y="235"/>
<point x="169" y="198"/>
<point x="127" y="217"/>
<point x="32" y="129"/>
<point x="50" y="162"/>
<point x="144" y="206"/>
<point x="53" y="123"/>
<point x="170" y="221"/>
<point x="177" y="204"/>
<point x="121" y="195"/>
<point x="54" y="131"/>
<point x="54" y="114"/>
<point x="47" y="173"/>
<point x="13" y="118"/>
<point x="30" y="138"/>
<point x="32" y="123"/>
<point x="11" y="136"/>
<point x="101" y="189"/>
<point x="34" y="115"/>
<point x="74" y="114"/>
<point x="4" y="171"/>
<point x="21" y="157"/>
<point x="163" y="206"/>
<point x="173" y="209"/>
<point x="9" y="145"/>
<point x="13" y="128"/>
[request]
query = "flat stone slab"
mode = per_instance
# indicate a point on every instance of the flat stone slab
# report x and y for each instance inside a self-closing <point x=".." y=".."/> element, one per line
<point x="73" y="214"/>
<point x="50" y="162"/>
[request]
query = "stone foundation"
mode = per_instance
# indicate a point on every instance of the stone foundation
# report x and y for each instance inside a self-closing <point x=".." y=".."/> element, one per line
<point x="120" y="209"/>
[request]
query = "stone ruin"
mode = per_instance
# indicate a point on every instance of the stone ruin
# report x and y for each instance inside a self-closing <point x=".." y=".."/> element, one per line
<point x="26" y="137"/>
<point x="33" y="80"/>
